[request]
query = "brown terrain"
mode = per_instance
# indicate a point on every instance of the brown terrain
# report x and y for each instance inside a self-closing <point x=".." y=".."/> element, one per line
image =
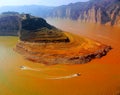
<point x="105" y="12"/>
<point x="99" y="77"/>
<point x="44" y="43"/>
<point x="78" y="50"/>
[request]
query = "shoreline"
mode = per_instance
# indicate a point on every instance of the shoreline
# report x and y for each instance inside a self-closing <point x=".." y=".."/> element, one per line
<point x="80" y="50"/>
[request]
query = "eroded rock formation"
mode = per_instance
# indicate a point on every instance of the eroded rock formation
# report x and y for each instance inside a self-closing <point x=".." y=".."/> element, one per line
<point x="30" y="28"/>
<point x="35" y="29"/>
<point x="43" y="43"/>
<point x="78" y="51"/>
<point x="9" y="23"/>
<point x="93" y="11"/>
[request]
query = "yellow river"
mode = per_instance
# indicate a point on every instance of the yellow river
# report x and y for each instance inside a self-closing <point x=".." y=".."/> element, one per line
<point x="98" y="77"/>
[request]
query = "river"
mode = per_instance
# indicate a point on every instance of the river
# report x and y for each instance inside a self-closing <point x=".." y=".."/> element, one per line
<point x="98" y="77"/>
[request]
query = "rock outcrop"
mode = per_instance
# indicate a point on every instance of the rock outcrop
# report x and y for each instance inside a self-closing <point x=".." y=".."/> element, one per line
<point x="93" y="11"/>
<point x="35" y="29"/>
<point x="78" y="51"/>
<point x="29" y="28"/>
<point x="44" y="43"/>
<point x="9" y="23"/>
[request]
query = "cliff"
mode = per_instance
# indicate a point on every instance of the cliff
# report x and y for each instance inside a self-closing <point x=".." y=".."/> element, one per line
<point x="100" y="11"/>
<point x="29" y="28"/>
<point x="40" y="42"/>
<point x="93" y="11"/>
<point x="43" y="43"/>
<point x="9" y="23"/>
<point x="35" y="29"/>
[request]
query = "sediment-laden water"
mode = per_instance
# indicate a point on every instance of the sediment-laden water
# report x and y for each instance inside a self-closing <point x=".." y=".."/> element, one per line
<point x="98" y="77"/>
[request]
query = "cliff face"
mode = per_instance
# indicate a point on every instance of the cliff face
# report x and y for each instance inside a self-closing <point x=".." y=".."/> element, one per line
<point x="30" y="28"/>
<point x="102" y="11"/>
<point x="93" y="11"/>
<point x="36" y="29"/>
<point x="9" y="24"/>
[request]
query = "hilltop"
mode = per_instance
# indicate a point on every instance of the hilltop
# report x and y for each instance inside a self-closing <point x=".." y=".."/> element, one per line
<point x="9" y="23"/>
<point x="29" y="28"/>
<point x="35" y="29"/>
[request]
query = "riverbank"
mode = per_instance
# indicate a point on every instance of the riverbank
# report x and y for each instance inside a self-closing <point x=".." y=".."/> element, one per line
<point x="78" y="51"/>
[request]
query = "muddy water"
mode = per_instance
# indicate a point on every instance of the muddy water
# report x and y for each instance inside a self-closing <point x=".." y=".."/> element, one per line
<point x="98" y="77"/>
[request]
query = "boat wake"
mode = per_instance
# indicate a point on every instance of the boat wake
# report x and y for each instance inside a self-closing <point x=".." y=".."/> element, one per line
<point x="52" y="78"/>
<point x="66" y="77"/>
<point x="28" y="68"/>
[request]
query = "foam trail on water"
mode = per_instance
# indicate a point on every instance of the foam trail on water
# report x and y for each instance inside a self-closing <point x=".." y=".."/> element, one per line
<point x="28" y="68"/>
<point x="66" y="77"/>
<point x="34" y="69"/>
<point x="53" y="78"/>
